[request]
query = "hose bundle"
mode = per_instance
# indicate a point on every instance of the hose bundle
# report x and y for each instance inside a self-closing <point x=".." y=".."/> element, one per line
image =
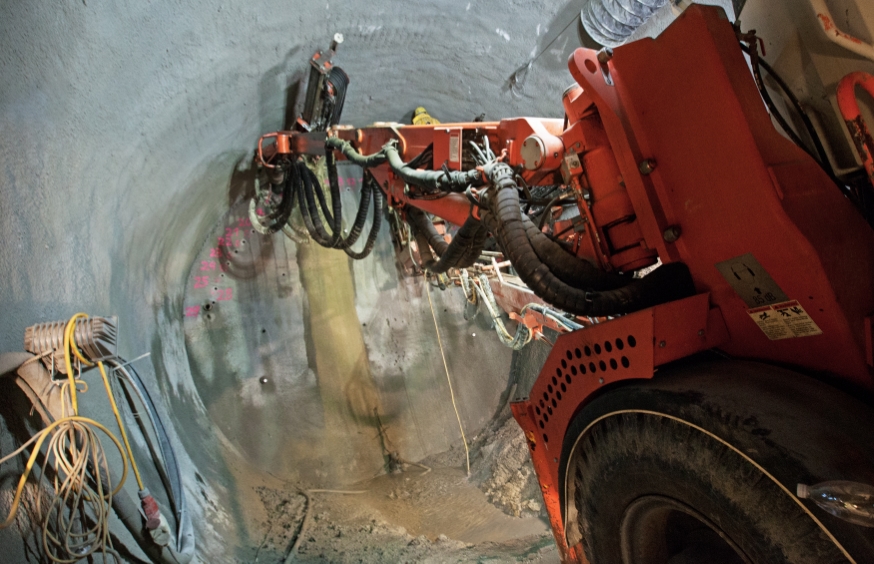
<point x="433" y="180"/>
<point x="309" y="190"/>
<point x="552" y="273"/>
<point x="461" y="252"/>
<point x="593" y="293"/>
<point x="313" y="205"/>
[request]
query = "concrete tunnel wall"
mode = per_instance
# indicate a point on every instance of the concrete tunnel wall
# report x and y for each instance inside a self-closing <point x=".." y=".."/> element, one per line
<point x="125" y="129"/>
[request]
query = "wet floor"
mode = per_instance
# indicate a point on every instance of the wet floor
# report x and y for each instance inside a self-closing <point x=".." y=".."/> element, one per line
<point x="443" y="502"/>
<point x="426" y="518"/>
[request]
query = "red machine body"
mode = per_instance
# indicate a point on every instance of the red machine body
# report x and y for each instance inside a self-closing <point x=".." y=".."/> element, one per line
<point x="672" y="156"/>
<point x="733" y="186"/>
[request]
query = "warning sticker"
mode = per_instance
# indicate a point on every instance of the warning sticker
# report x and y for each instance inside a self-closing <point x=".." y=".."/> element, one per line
<point x="455" y="147"/>
<point x="784" y="321"/>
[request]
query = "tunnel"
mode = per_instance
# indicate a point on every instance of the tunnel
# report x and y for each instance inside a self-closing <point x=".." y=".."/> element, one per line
<point x="277" y="366"/>
<point x="318" y="408"/>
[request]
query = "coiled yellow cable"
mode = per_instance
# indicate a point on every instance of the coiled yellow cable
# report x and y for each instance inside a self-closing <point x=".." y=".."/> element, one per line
<point x="70" y="344"/>
<point x="80" y="469"/>
<point x="40" y="439"/>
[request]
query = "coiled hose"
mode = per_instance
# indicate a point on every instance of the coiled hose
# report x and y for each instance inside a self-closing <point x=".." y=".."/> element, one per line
<point x="308" y="185"/>
<point x="610" y="22"/>
<point x="339" y="80"/>
<point x="309" y="190"/>
<point x="504" y="219"/>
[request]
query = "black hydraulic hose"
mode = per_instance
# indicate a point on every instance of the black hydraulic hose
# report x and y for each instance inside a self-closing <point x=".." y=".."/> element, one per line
<point x="420" y="222"/>
<point x="364" y="161"/>
<point x="568" y="268"/>
<point x="336" y="221"/>
<point x="371" y="186"/>
<point x="475" y="247"/>
<point x="274" y="218"/>
<point x="361" y="217"/>
<point x="461" y="252"/>
<point x="368" y="189"/>
<point x="340" y="81"/>
<point x="465" y="248"/>
<point x="425" y="158"/>
<point x="309" y="183"/>
<point x="442" y="180"/>
<point x="760" y="83"/>
<point x="308" y="210"/>
<point x="808" y="125"/>
<point x="546" y="211"/>
<point x="504" y="218"/>
<point x="319" y="192"/>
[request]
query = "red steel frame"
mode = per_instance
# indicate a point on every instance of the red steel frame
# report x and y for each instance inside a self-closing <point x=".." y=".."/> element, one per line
<point x="673" y="132"/>
<point x="846" y="95"/>
<point x="734" y="185"/>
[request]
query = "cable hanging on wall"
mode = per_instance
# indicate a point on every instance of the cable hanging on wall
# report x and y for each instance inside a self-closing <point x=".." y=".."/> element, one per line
<point x="84" y="485"/>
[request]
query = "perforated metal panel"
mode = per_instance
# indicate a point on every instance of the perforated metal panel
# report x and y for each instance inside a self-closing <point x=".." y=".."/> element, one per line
<point x="583" y="361"/>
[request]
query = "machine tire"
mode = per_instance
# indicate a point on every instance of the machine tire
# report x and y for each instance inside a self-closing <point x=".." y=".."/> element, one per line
<point x="701" y="464"/>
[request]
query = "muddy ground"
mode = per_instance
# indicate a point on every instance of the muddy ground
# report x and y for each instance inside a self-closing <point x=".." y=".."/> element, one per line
<point x="418" y="515"/>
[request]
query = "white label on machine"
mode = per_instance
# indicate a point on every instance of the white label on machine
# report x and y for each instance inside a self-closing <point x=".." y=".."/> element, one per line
<point x="784" y="321"/>
<point x="455" y="147"/>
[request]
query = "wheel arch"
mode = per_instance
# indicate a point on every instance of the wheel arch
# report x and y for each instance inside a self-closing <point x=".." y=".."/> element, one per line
<point x="793" y="427"/>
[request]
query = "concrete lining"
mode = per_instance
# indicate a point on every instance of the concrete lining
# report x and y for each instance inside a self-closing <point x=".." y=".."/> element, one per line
<point x="123" y="127"/>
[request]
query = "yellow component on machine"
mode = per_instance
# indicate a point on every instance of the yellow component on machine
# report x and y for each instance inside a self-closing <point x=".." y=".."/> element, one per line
<point x="421" y="117"/>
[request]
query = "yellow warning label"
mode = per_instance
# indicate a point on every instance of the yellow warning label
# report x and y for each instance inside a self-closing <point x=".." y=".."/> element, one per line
<point x="784" y="321"/>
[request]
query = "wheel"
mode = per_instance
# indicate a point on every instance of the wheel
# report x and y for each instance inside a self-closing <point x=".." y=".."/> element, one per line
<point x="701" y="463"/>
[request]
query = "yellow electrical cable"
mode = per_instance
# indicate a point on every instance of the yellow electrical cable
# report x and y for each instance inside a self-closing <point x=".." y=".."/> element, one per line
<point x="446" y="367"/>
<point x="130" y="453"/>
<point x="68" y="337"/>
<point x="70" y="344"/>
<point x="16" y="501"/>
<point x="80" y="468"/>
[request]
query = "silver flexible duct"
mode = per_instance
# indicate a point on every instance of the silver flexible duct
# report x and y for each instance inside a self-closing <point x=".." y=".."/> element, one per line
<point x="610" y="22"/>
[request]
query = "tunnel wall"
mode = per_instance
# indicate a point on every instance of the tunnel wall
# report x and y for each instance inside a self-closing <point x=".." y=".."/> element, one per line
<point x="124" y="129"/>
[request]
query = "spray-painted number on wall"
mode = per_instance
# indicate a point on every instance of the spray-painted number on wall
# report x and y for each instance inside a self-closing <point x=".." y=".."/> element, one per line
<point x="201" y="282"/>
<point x="207" y="265"/>
<point x="223" y="294"/>
<point x="227" y="242"/>
<point x="192" y="311"/>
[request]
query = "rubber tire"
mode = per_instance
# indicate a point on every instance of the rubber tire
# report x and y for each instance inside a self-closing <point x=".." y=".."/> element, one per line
<point x="796" y="428"/>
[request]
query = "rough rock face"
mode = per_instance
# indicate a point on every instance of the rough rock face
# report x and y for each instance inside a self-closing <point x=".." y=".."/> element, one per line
<point x="504" y="471"/>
